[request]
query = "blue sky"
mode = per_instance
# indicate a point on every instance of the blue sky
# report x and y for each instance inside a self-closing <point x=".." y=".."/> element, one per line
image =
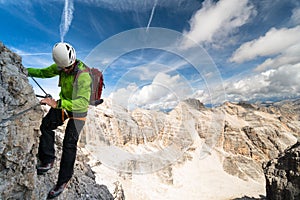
<point x="155" y="53"/>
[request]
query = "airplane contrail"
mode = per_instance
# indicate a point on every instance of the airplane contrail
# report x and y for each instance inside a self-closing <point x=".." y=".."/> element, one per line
<point x="66" y="18"/>
<point x="151" y="16"/>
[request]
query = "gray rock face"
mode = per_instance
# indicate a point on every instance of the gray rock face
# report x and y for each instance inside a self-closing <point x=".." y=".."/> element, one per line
<point x="283" y="175"/>
<point x="18" y="135"/>
<point x="20" y="119"/>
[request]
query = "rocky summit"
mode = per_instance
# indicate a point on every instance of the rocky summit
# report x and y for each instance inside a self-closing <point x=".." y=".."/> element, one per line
<point x="238" y="149"/>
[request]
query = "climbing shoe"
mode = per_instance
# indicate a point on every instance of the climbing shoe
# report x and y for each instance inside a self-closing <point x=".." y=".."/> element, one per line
<point x="56" y="190"/>
<point x="44" y="167"/>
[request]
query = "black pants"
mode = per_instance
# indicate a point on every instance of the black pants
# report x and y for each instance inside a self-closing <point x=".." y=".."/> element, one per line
<point x="46" y="150"/>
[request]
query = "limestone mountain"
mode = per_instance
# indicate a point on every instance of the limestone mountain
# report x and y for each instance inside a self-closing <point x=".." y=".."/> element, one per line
<point x="242" y="136"/>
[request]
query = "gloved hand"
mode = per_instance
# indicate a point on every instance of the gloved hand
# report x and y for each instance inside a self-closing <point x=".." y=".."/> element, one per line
<point x="50" y="102"/>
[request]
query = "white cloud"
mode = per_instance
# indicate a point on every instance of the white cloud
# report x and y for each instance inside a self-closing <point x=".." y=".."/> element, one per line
<point x="285" y="80"/>
<point x="122" y="95"/>
<point x="217" y="20"/>
<point x="275" y="41"/>
<point x="274" y="83"/>
<point x="164" y="92"/>
<point x="279" y="83"/>
<point x="161" y="87"/>
<point x="288" y="56"/>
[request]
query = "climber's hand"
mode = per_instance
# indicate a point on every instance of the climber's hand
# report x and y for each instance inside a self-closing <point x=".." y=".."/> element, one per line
<point x="50" y="102"/>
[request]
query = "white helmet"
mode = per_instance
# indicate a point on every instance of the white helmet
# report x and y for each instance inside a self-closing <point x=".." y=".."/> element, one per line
<point x="63" y="54"/>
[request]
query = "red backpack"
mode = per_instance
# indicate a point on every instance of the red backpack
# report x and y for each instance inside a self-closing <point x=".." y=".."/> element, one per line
<point x="97" y="84"/>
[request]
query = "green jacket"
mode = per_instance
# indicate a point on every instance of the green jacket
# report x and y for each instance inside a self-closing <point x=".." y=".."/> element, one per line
<point x="74" y="96"/>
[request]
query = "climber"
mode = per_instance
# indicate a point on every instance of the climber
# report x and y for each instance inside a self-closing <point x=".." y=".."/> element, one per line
<point x="73" y="104"/>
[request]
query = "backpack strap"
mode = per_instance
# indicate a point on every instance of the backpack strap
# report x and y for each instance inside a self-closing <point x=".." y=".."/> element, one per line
<point x="78" y="72"/>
